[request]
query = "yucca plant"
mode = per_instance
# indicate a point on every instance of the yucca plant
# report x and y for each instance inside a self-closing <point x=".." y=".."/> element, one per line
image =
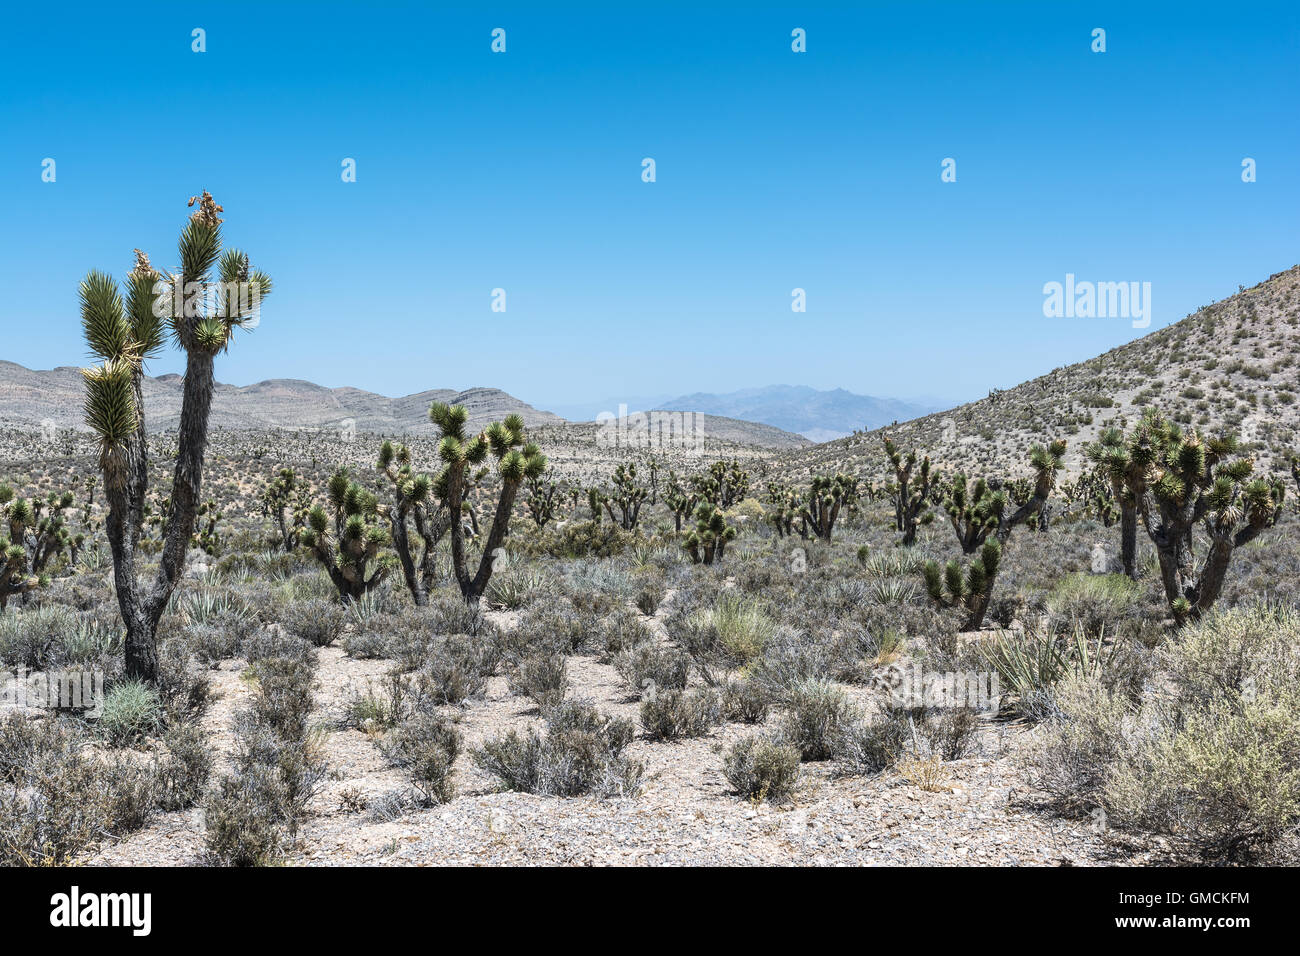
<point x="517" y="459"/>
<point x="972" y="591"/>
<point x="200" y="317"/>
<point x="348" y="540"/>
<point x="627" y="495"/>
<point x="827" y="495"/>
<point x="286" y="500"/>
<point x="1177" y="480"/>
<point x="707" y="542"/>
<point x="33" y="533"/>
<point x="414" y="501"/>
<point x="911" y="495"/>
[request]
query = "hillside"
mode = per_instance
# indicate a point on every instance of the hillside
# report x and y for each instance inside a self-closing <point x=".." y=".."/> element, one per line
<point x="1228" y="366"/>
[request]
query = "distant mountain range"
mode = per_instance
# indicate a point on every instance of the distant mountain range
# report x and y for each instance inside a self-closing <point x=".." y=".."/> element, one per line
<point x="815" y="414"/>
<point x="28" y="397"/>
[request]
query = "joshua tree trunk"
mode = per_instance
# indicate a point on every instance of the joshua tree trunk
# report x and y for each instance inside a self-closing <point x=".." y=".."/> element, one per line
<point x="1128" y="525"/>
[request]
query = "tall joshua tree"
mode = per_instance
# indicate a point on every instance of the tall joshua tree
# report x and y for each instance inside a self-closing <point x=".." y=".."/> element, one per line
<point x="200" y="317"/>
<point x="980" y="518"/>
<point x="826" y="496"/>
<point x="1178" y="480"/>
<point x="911" y="497"/>
<point x="516" y="460"/>
<point x="413" y="501"/>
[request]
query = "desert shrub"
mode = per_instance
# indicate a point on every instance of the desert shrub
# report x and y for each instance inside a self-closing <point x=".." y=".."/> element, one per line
<point x="131" y="792"/>
<point x="456" y="669"/>
<point x="449" y="614"/>
<point x="1072" y="759"/>
<point x="653" y="666"/>
<point x="649" y="597"/>
<point x="182" y="692"/>
<point x="318" y="621"/>
<point x="299" y="764"/>
<point x="212" y="642"/>
<point x="731" y="633"/>
<point x="818" y="712"/>
<point x="949" y="732"/>
<point x="242" y="820"/>
<point x="854" y="652"/>
<point x="542" y="676"/>
<point x="622" y="632"/>
<point x="672" y="714"/>
<point x="373" y="710"/>
<point x="792" y="657"/>
<point x="760" y="768"/>
<point x="555" y="627"/>
<point x="1097" y="603"/>
<point x="131" y="709"/>
<point x="57" y="798"/>
<point x="582" y="752"/>
<point x="866" y="747"/>
<point x="1211" y="762"/>
<point x="279" y="764"/>
<point x="283" y="697"/>
<point x="580" y="539"/>
<point x="184" y="771"/>
<point x="367" y="645"/>
<point x="426" y="746"/>
<point x="266" y="644"/>
<point x="745" y="701"/>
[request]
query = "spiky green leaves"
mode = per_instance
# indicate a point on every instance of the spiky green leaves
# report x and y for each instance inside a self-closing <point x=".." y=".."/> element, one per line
<point x="103" y="322"/>
<point x="450" y="419"/>
<point x="199" y="246"/>
<point x="317" y="520"/>
<point x="110" y="401"/>
<point x="147" y="325"/>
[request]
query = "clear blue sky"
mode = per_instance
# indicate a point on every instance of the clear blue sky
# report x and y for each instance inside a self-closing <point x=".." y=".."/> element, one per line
<point x="775" y="170"/>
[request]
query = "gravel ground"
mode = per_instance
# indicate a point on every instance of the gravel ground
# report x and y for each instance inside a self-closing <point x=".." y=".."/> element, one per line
<point x="982" y="814"/>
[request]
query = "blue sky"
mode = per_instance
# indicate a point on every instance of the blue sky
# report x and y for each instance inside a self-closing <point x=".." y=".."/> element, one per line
<point x="775" y="170"/>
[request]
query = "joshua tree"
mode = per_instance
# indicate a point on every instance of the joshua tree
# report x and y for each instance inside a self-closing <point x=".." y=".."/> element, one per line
<point x="627" y="495"/>
<point x="679" y="499"/>
<point x="201" y="317"/>
<point x="1124" y="473"/>
<point x="30" y="537"/>
<point x="975" y="511"/>
<point x="981" y="521"/>
<point x="516" y="460"/>
<point x="349" y="545"/>
<point x="972" y="590"/>
<point x="783" y="507"/>
<point x="911" y="501"/>
<point x="709" y="540"/>
<point x="541" y="503"/>
<point x="413" y="501"/>
<point x="594" y="500"/>
<point x="727" y="483"/>
<point x="652" y="465"/>
<point x="1177" y="480"/>
<point x="287" y="500"/>
<point x="826" y="496"/>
